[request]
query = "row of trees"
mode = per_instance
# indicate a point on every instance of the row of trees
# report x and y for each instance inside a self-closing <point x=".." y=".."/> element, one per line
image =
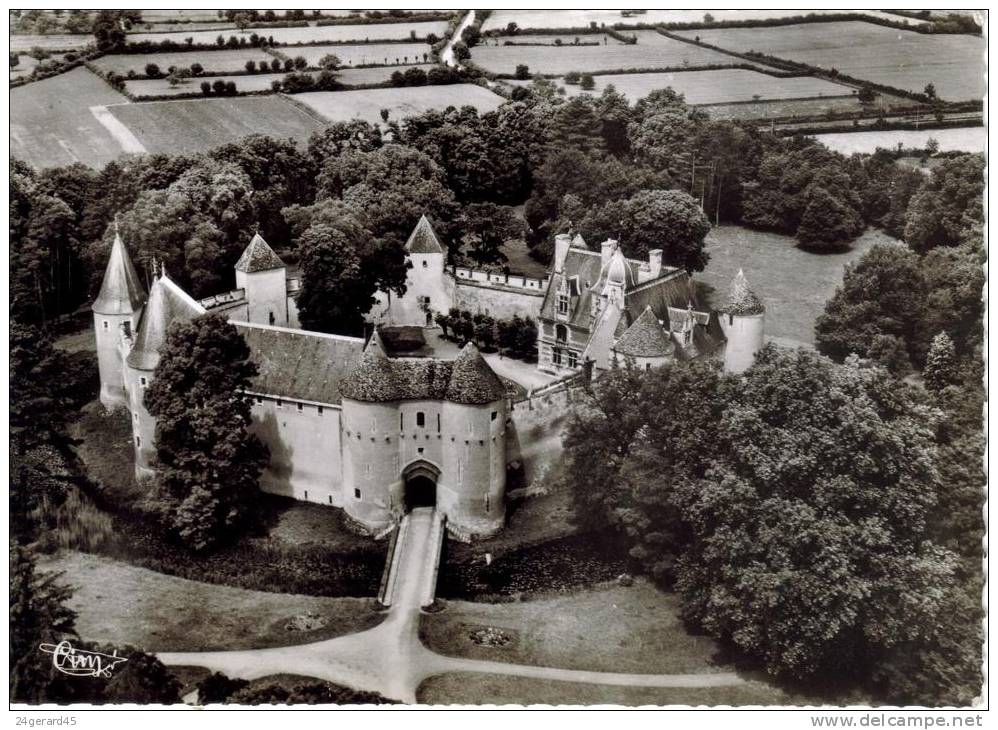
<point x="515" y="336"/>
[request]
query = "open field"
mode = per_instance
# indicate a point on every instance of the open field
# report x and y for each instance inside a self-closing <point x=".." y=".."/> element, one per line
<point x="340" y="106"/>
<point x="958" y="139"/>
<point x="312" y="34"/>
<point x="212" y="61"/>
<point x="582" y="18"/>
<point x="51" y="123"/>
<point x="903" y="59"/>
<point x="652" y="50"/>
<point x="804" y="108"/>
<point x="362" y="54"/>
<point x="161" y="87"/>
<point x="182" y="127"/>
<point x="53" y="42"/>
<point x="466" y="688"/>
<point x="122" y="604"/>
<point x="174" y="27"/>
<point x="707" y="87"/>
<point x="373" y="75"/>
<point x="792" y="283"/>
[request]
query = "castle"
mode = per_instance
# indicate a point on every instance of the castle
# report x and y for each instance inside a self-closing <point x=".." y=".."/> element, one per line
<point x="376" y="432"/>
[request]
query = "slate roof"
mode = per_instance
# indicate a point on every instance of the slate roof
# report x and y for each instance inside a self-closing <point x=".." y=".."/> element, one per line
<point x="674" y="290"/>
<point x="298" y="364"/>
<point x="423" y="239"/>
<point x="741" y="299"/>
<point x="646" y="337"/>
<point x="378" y="378"/>
<point x="258" y="256"/>
<point x="168" y="303"/>
<point x="121" y="291"/>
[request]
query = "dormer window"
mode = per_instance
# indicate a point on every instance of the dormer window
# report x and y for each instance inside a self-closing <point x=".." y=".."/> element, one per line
<point x="563" y="304"/>
<point x="561" y="333"/>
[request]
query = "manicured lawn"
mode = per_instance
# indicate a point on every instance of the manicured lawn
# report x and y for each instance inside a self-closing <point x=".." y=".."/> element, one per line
<point x="51" y="123"/>
<point x="608" y="628"/>
<point x="904" y="59"/>
<point x="183" y="127"/>
<point x="708" y="87"/>
<point x="364" y="54"/>
<point x="652" y="50"/>
<point x="793" y="284"/>
<point x="341" y="106"/>
<point x="122" y="604"/>
<point x="963" y="139"/>
<point x="311" y="34"/>
<point x="466" y="688"/>
<point x="213" y="62"/>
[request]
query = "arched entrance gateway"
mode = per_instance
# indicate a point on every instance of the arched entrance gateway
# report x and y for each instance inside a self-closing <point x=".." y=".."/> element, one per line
<point x="420" y="490"/>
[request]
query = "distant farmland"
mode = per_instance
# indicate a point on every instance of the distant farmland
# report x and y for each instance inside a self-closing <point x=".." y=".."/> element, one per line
<point x="375" y="75"/>
<point x="311" y="34"/>
<point x="958" y="139"/>
<point x="652" y="50"/>
<point x="340" y="106"/>
<point x="707" y="87"/>
<point x="799" y="108"/>
<point x="161" y="87"/>
<point x="182" y="127"/>
<point x="51" y="123"/>
<point x="903" y="59"/>
<point x="212" y="61"/>
<point x="364" y="54"/>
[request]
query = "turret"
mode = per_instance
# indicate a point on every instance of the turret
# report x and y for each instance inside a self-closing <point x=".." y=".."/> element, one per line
<point x="426" y="288"/>
<point x="743" y="322"/>
<point x="116" y="312"/>
<point x="263" y="276"/>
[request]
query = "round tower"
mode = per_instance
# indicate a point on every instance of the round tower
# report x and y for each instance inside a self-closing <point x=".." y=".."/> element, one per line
<point x="116" y="313"/>
<point x="743" y="322"/>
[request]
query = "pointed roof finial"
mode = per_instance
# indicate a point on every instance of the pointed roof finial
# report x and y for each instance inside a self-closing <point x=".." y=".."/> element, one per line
<point x="116" y="233"/>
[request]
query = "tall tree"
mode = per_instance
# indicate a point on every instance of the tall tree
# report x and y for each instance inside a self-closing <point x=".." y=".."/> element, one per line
<point x="948" y="206"/>
<point x="489" y="226"/>
<point x="209" y="462"/>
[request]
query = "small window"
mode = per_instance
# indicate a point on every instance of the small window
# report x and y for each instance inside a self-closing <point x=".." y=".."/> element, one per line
<point x="142" y="381"/>
<point x="135" y="416"/>
<point x="420" y="419"/>
<point x="438" y="423"/>
<point x="356" y="494"/>
<point x="419" y="450"/>
<point x="424" y="263"/>
<point x="280" y="403"/>
<point x="494" y="415"/>
<point x="401" y="421"/>
<point x="127" y="326"/>
<point x="731" y="319"/>
<point x="306" y="494"/>
<point x="562" y="304"/>
<point x="301" y="407"/>
<point x="105" y="324"/>
<point x="573" y="359"/>
<point x="556" y="355"/>
<point x="561" y="333"/>
<point x="319" y="410"/>
<point x="259" y="400"/>
<point x="488" y="503"/>
<point x="271" y="315"/>
<point x="330" y="499"/>
<point x="367" y="469"/>
<point x="138" y="441"/>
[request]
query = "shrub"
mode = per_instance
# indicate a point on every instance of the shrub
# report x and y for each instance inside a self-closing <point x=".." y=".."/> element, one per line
<point x="587" y="82"/>
<point x="289" y="64"/>
<point x="152" y="71"/>
<point x="522" y="71"/>
<point x="206" y="88"/>
<point x="573" y="77"/>
<point x="218" y="87"/>
<point x="275" y="65"/>
<point x="251" y="66"/>
<point x="230" y="88"/>
<point x="196" y="69"/>
<point x="300" y="62"/>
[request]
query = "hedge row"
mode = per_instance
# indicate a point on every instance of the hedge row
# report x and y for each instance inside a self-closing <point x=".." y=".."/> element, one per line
<point x="673" y="69"/>
<point x="61" y="68"/>
<point x="880" y="125"/>
<point x="169" y="46"/>
<point x="426" y="17"/>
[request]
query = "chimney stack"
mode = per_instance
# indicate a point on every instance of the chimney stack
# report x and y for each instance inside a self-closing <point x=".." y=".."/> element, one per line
<point x="562" y="242"/>
<point x="606" y="251"/>
<point x="655" y="262"/>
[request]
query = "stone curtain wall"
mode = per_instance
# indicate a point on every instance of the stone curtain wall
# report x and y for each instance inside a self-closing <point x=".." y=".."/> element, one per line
<point x="497" y="300"/>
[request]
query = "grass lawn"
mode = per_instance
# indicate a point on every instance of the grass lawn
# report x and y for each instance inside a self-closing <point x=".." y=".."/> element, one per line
<point x="607" y="628"/>
<point x="196" y="125"/>
<point x="212" y="61"/>
<point x="373" y="75"/>
<point x="342" y="106"/>
<point x="51" y="123"/>
<point x="793" y="284"/>
<point x="123" y="604"/>
<point x="899" y="58"/>
<point x="708" y="87"/>
<point x="652" y="50"/>
<point x="311" y="34"/>
<point x="467" y="688"/>
<point x="363" y="54"/>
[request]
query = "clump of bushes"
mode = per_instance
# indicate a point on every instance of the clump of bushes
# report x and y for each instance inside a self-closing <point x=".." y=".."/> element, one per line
<point x="218" y="88"/>
<point x="515" y="337"/>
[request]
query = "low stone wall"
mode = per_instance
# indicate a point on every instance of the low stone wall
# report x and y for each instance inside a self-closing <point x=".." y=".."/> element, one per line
<point x="537" y="424"/>
<point x="497" y="300"/>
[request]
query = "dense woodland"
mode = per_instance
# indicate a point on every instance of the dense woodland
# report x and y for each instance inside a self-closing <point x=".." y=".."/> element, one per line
<point x="821" y="514"/>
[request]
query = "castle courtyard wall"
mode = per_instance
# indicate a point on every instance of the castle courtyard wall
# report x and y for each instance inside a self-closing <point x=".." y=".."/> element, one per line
<point x="496" y="300"/>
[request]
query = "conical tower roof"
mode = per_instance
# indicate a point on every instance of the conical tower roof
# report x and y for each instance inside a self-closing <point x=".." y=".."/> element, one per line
<point x="121" y="292"/>
<point x="168" y="303"/>
<point x="472" y="381"/>
<point x="373" y="380"/>
<point x="645" y="338"/>
<point x="258" y="256"/>
<point x="741" y="299"/>
<point x="423" y="239"/>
